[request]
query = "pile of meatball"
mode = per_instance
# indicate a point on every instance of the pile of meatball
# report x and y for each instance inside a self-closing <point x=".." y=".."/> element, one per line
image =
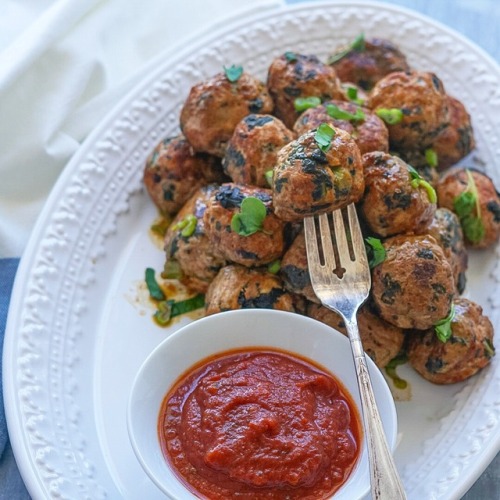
<point x="244" y="138"/>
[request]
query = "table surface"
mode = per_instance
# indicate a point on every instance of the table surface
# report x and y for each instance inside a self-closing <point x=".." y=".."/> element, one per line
<point x="478" y="20"/>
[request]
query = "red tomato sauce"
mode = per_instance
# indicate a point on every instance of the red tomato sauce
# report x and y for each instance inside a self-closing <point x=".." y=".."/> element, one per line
<point x="260" y="424"/>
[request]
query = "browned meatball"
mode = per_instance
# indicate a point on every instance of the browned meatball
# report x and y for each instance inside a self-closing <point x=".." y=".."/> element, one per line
<point x="190" y="246"/>
<point x="294" y="269"/>
<point x="253" y="148"/>
<point x="295" y="75"/>
<point x="422" y="100"/>
<point x="468" y="350"/>
<point x="263" y="246"/>
<point x="391" y="205"/>
<point x="214" y="108"/>
<point x="481" y="229"/>
<point x="413" y="287"/>
<point x="309" y="181"/>
<point x="369" y="63"/>
<point x="174" y="172"/>
<point x="381" y="340"/>
<point x="238" y="287"/>
<point x="446" y="230"/>
<point x="369" y="133"/>
<point x="457" y="139"/>
<point x="452" y="144"/>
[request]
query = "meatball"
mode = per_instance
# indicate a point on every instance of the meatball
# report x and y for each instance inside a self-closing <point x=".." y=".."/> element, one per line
<point x="391" y="205"/>
<point x="238" y="287"/>
<point x="294" y="269"/>
<point x="446" y="230"/>
<point x="368" y="63"/>
<point x="457" y="139"/>
<point x="413" y="287"/>
<point x="422" y="100"/>
<point x="468" y="350"/>
<point x="295" y="75"/>
<point x="381" y="340"/>
<point x="369" y="132"/>
<point x="261" y="247"/>
<point x="452" y="144"/>
<point x="253" y="148"/>
<point x="214" y="107"/>
<point x="308" y="180"/>
<point x="174" y="172"/>
<point x="464" y="191"/>
<point x="187" y="243"/>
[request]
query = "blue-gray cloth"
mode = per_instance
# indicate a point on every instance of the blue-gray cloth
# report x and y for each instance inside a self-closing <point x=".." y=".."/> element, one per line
<point x="11" y="484"/>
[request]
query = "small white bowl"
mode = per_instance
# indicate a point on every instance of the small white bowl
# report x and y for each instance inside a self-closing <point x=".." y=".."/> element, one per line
<point x="238" y="329"/>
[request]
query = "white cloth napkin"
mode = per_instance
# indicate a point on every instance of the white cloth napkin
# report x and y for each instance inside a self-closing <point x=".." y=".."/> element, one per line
<point x="63" y="65"/>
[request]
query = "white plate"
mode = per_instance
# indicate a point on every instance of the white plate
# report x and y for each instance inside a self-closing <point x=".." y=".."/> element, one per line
<point x="77" y="333"/>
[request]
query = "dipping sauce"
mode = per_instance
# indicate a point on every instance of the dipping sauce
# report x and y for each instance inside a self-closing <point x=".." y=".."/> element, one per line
<point x="260" y="424"/>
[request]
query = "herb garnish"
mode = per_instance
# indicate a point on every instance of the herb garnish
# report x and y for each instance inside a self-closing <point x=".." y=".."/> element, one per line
<point x="489" y="348"/>
<point x="168" y="309"/>
<point x="352" y="95"/>
<point x="290" y="56"/>
<point x="417" y="181"/>
<point x="233" y="73"/>
<point x="274" y="266"/>
<point x="186" y="225"/>
<point x="172" y="270"/>
<point x="391" y="116"/>
<point x="375" y="251"/>
<point x="390" y="369"/>
<point x="465" y="204"/>
<point x="250" y="218"/>
<point x="443" y="326"/>
<point x="431" y="157"/>
<point x="302" y="103"/>
<point x="269" y="177"/>
<point x="357" y="45"/>
<point x="339" y="114"/>
<point x="155" y="291"/>
<point x="323" y="137"/>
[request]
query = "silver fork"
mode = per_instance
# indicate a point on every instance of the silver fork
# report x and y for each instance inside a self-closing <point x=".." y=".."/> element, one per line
<point x="341" y="279"/>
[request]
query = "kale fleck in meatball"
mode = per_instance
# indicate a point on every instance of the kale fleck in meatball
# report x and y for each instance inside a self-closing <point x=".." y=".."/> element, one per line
<point x="391" y="204"/>
<point x="214" y="107"/>
<point x="422" y="101"/>
<point x="240" y="244"/>
<point x="414" y="286"/>
<point x="187" y="244"/>
<point x="366" y="128"/>
<point x="381" y="340"/>
<point x="472" y="196"/>
<point x="238" y="287"/>
<point x="308" y="180"/>
<point x="295" y="75"/>
<point x="468" y="350"/>
<point x="173" y="172"/>
<point x="368" y="62"/>
<point x="253" y="148"/>
<point x="445" y="228"/>
<point x="294" y="269"/>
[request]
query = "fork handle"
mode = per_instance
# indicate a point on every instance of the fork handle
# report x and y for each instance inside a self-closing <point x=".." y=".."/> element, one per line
<point x="385" y="481"/>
